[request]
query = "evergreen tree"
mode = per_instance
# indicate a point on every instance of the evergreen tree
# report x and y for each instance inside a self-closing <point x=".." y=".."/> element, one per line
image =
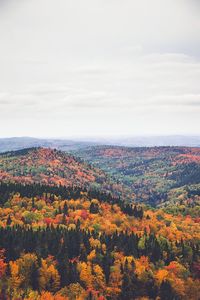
<point x="65" y="209"/>
<point x="166" y="291"/>
<point x="94" y="208"/>
<point x="9" y="221"/>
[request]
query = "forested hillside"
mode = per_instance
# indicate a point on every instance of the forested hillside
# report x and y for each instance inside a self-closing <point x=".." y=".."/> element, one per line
<point x="69" y="231"/>
<point x="50" y="167"/>
<point x="63" y="243"/>
<point x="151" y="175"/>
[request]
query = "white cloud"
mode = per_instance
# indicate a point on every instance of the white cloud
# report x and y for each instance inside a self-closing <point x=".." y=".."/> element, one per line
<point x="99" y="67"/>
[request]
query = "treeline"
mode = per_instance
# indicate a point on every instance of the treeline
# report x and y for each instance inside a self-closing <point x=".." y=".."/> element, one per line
<point x="65" y="193"/>
<point x="47" y="241"/>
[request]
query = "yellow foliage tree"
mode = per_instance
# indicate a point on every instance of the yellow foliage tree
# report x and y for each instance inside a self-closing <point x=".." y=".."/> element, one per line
<point x="15" y="279"/>
<point x="161" y="275"/>
<point x="86" y="274"/>
<point x="49" y="278"/>
<point x="99" y="278"/>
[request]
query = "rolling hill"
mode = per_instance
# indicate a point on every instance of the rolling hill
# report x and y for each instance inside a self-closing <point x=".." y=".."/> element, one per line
<point x="149" y="175"/>
<point x="48" y="166"/>
<point x="158" y="176"/>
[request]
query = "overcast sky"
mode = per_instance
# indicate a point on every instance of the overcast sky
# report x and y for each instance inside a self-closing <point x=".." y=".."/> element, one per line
<point x="75" y="68"/>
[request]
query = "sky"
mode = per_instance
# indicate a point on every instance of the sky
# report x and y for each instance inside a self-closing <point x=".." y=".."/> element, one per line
<point x="89" y="68"/>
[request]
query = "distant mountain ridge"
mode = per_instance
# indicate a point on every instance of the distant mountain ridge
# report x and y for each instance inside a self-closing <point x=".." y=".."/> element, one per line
<point x="16" y="143"/>
<point x="151" y="141"/>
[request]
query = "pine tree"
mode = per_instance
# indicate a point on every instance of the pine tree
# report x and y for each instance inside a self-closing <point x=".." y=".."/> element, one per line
<point x="9" y="221"/>
<point x="166" y="291"/>
<point x="65" y="209"/>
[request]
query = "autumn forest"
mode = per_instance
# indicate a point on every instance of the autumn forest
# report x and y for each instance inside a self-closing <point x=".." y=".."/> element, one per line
<point x="100" y="223"/>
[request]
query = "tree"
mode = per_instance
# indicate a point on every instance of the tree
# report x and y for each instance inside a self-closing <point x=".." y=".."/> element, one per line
<point x="94" y="208"/>
<point x="3" y="264"/>
<point x="85" y="274"/>
<point x="9" y="221"/>
<point x="65" y="209"/>
<point x="166" y="291"/>
<point x="49" y="278"/>
<point x="129" y="281"/>
<point x="15" y="279"/>
<point x="99" y="278"/>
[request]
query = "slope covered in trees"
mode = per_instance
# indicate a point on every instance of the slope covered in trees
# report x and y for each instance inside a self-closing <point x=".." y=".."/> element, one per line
<point x="147" y="174"/>
<point x="49" y="167"/>
<point x="68" y="231"/>
<point x="76" y="244"/>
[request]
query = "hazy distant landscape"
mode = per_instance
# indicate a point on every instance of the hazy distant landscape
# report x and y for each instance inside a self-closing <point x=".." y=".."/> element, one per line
<point x="16" y="143"/>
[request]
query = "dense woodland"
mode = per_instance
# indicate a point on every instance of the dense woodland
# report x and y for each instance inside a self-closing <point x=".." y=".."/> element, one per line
<point x="78" y="241"/>
<point x="150" y="175"/>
